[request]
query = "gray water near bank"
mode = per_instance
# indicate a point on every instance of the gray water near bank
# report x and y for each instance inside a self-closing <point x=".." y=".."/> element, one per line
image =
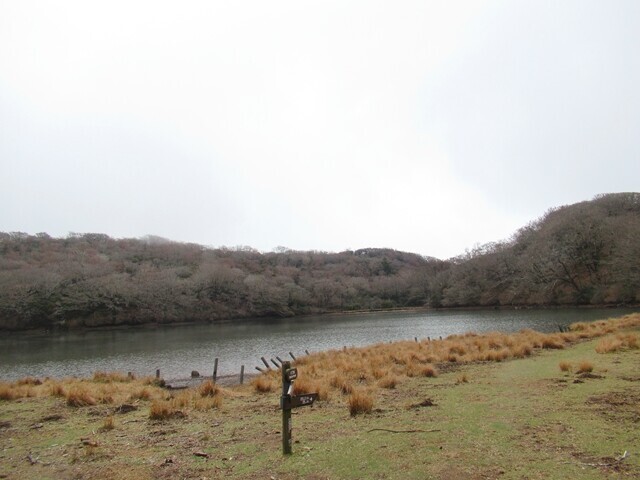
<point x="177" y="350"/>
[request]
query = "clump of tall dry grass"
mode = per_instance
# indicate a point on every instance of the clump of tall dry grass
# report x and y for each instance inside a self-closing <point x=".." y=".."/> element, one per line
<point x="29" y="381"/>
<point x="345" y="370"/>
<point x="8" y="392"/>
<point x="263" y="384"/>
<point x="585" y="367"/>
<point x="390" y="381"/>
<point x="209" y="389"/>
<point x="56" y="390"/>
<point x="565" y="366"/>
<point x="142" y="393"/>
<point x="360" y="401"/>
<point x="79" y="396"/>
<point x="553" y="342"/>
<point x="622" y="341"/>
<point x="303" y="384"/>
<point x="108" y="377"/>
<point x="163" y="410"/>
<point x="108" y="424"/>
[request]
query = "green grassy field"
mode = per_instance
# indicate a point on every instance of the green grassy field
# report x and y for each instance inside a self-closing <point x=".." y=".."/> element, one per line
<point x="517" y="419"/>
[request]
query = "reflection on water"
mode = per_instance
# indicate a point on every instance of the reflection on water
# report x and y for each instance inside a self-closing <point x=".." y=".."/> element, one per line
<point x="178" y="350"/>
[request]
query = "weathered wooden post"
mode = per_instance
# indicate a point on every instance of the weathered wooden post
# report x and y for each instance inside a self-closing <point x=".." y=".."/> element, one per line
<point x="215" y="370"/>
<point x="289" y="401"/>
<point x="288" y="376"/>
<point x="241" y="374"/>
<point x="158" y="373"/>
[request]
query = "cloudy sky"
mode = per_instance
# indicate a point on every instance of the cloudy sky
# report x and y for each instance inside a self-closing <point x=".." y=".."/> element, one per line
<point x="425" y="126"/>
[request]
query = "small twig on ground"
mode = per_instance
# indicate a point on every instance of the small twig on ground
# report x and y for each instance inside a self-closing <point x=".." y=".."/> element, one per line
<point x="401" y="431"/>
<point x="618" y="460"/>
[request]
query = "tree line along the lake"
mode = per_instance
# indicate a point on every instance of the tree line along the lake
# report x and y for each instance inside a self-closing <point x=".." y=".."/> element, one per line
<point x="586" y="253"/>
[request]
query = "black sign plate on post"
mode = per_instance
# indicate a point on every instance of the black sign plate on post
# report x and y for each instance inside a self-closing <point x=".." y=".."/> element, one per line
<point x="303" y="400"/>
<point x="288" y="401"/>
<point x="294" y="401"/>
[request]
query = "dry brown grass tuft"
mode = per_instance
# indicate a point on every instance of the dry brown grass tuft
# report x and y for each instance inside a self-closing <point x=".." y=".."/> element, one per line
<point x="339" y="382"/>
<point x="621" y="341"/>
<point x="163" y="410"/>
<point x="108" y="377"/>
<point x="462" y="378"/>
<point x="209" y="389"/>
<point x="78" y="396"/>
<point x="360" y="401"/>
<point x="263" y="384"/>
<point x="457" y="348"/>
<point x="57" y="390"/>
<point x="522" y="350"/>
<point x="552" y="342"/>
<point x="497" y="355"/>
<point x="143" y="393"/>
<point x="8" y="392"/>
<point x="108" y="424"/>
<point x="379" y="372"/>
<point x="609" y="344"/>
<point x="631" y="339"/>
<point x="429" y="371"/>
<point x="565" y="366"/>
<point x="29" y="381"/>
<point x="585" y="367"/>
<point x="389" y="381"/>
<point x="208" y="402"/>
<point x="304" y="385"/>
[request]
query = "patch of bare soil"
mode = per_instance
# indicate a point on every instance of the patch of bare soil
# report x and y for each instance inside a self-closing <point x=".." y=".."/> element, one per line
<point x="425" y="403"/>
<point x="618" y="406"/>
<point x="589" y="375"/>
<point x="452" y="472"/>
<point x="538" y="436"/>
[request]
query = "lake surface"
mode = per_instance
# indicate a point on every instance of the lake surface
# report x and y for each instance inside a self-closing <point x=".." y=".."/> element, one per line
<point x="177" y="350"/>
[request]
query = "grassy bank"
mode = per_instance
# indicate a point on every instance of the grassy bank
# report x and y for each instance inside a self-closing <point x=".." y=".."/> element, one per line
<point x="526" y="405"/>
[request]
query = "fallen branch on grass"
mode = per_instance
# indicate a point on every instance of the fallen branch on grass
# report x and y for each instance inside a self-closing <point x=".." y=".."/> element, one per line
<point x="617" y="462"/>
<point x="401" y="431"/>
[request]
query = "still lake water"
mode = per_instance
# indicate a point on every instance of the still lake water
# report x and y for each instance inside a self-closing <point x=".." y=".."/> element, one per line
<point x="177" y="350"/>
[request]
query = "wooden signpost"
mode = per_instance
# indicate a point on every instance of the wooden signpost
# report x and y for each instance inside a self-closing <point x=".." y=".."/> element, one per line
<point x="289" y="401"/>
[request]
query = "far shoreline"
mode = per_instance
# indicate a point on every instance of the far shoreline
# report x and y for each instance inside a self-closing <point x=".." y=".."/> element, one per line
<point x="274" y="318"/>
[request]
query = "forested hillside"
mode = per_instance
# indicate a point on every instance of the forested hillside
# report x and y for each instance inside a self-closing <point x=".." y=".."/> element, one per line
<point x="587" y="253"/>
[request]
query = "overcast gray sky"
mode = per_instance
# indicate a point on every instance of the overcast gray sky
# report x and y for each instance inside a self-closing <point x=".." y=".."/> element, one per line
<point x="425" y="126"/>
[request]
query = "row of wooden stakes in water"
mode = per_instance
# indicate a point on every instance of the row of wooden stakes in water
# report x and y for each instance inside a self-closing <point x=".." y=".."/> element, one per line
<point x="277" y="362"/>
